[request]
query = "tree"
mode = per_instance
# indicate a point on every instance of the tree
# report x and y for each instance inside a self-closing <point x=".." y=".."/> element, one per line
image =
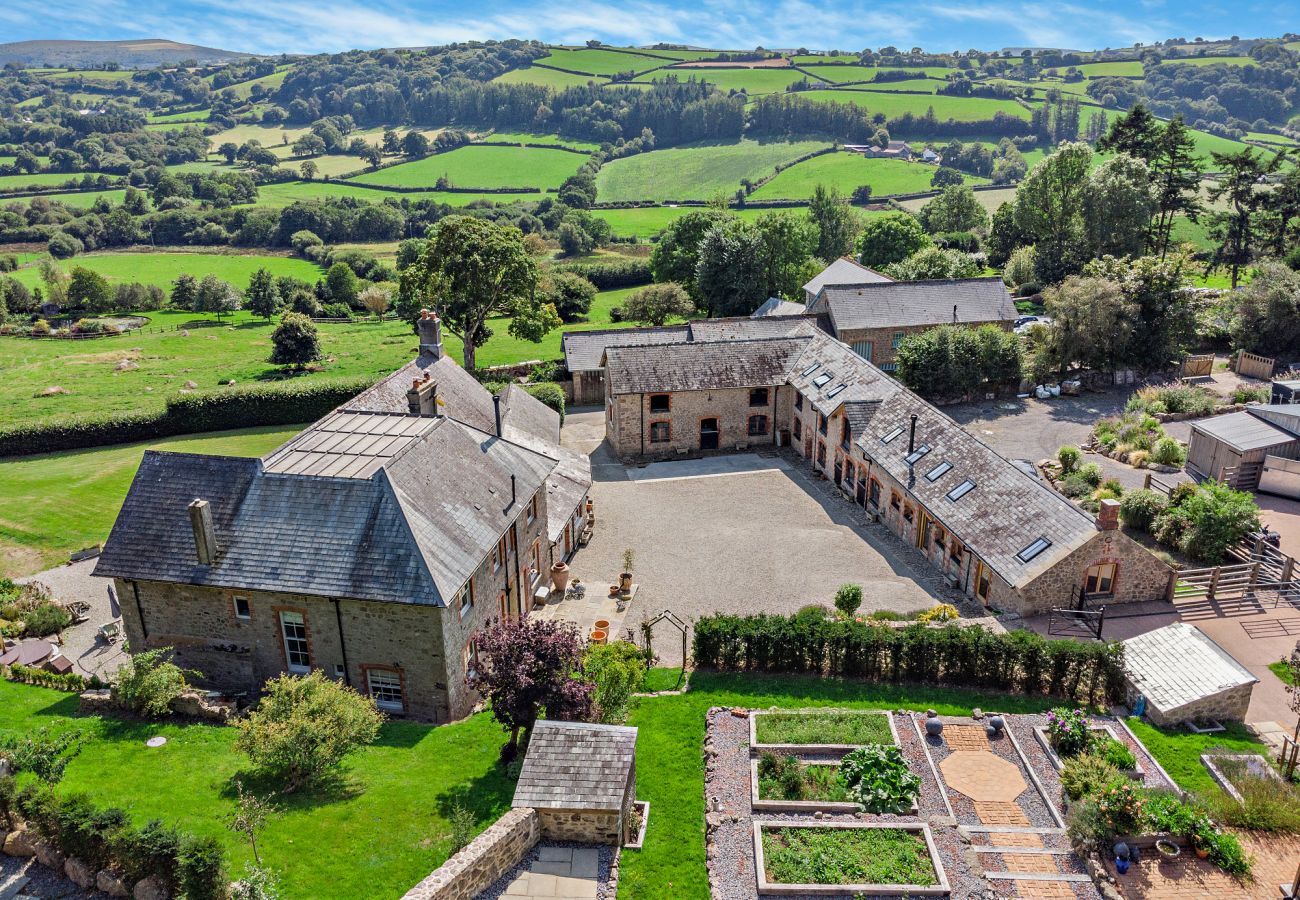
<point x="837" y="225"/>
<point x="848" y="599"/>
<point x="655" y="304"/>
<point x="1004" y="237"/>
<point x="262" y="297"/>
<point x="952" y="361"/>
<point x="955" y="209"/>
<point x="341" y="284"/>
<point x="471" y="270"/>
<point x="788" y="240"/>
<point x="1118" y="207"/>
<point x="932" y="263"/>
<point x="308" y="170"/>
<point x="308" y="145"/>
<point x="215" y="296"/>
<point x="294" y="341"/>
<point x="1164" y="313"/>
<point x="304" y="727"/>
<point x="570" y="294"/>
<point x="1049" y="211"/>
<point x="615" y="670"/>
<point x="89" y="291"/>
<point x="1237" y="189"/>
<point x="185" y="292"/>
<point x="415" y="144"/>
<point x="1282" y="209"/>
<point x="677" y="254"/>
<point x="1092" y="325"/>
<point x="890" y="238"/>
<point x="376" y="299"/>
<point x="372" y="155"/>
<point x="731" y="272"/>
<point x="1176" y="183"/>
<point x="529" y="667"/>
<point x="149" y="682"/>
<point x="1136" y="133"/>
<point x="1266" y="312"/>
<point x="229" y="150"/>
<point x="946" y="177"/>
<point x="248" y="817"/>
<point x="62" y="245"/>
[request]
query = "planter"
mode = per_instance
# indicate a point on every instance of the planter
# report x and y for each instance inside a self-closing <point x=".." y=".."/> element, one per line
<point x="1201" y="852"/>
<point x="560" y="575"/>
<point x="1137" y="773"/>
<point x="814" y="749"/>
<point x="625" y="583"/>
<point x="598" y="636"/>
<point x="847" y="807"/>
<point x="1168" y="849"/>
<point x="766" y="888"/>
<point x="638" y="840"/>
<point x="602" y="625"/>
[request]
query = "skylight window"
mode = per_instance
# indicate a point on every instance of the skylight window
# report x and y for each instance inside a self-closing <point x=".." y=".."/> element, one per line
<point x="920" y="451"/>
<point x="893" y="434"/>
<point x="938" y="471"/>
<point x="822" y="379"/>
<point x="1033" y="549"/>
<point x="838" y="389"/>
<point x="808" y="371"/>
<point x="961" y="490"/>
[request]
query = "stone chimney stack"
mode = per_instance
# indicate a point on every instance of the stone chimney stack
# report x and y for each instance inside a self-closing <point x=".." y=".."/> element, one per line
<point x="422" y="398"/>
<point x="205" y="535"/>
<point x="1108" y="515"/>
<point x="430" y="329"/>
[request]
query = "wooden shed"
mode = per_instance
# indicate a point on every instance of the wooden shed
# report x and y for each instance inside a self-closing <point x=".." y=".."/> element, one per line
<point x="1235" y="446"/>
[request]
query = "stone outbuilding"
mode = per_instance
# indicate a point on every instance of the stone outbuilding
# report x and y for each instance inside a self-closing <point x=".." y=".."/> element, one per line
<point x="581" y="779"/>
<point x="1186" y="677"/>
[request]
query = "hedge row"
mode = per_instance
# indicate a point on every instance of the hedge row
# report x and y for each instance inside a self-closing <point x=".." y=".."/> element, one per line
<point x="70" y="681"/>
<point x="243" y="406"/>
<point x="972" y="657"/>
<point x="612" y="275"/>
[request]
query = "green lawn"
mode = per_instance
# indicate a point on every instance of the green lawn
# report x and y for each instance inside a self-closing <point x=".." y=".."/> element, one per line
<point x="377" y="834"/>
<point x="163" y="268"/>
<point x="662" y="678"/>
<point x="1281" y="670"/>
<point x="545" y="78"/>
<point x="846" y="171"/>
<point x="962" y="109"/>
<point x="601" y="62"/>
<point x="694" y="172"/>
<point x="1179" y="750"/>
<point x="56" y="503"/>
<point x="752" y="81"/>
<point x="482" y="167"/>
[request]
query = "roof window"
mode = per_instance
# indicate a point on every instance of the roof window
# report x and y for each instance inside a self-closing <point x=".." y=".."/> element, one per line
<point x="1033" y="549"/>
<point x="838" y="389"/>
<point x="961" y="490"/>
<point x="885" y="439"/>
<point x="808" y="371"/>
<point x="821" y="379"/>
<point x="938" y="471"/>
<point x="914" y="456"/>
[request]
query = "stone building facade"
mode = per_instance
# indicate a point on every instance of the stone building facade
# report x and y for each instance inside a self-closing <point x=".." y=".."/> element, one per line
<point x="678" y="423"/>
<point x="880" y="344"/>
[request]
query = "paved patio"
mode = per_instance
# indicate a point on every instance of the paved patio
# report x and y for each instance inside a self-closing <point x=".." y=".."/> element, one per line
<point x="740" y="534"/>
<point x="569" y="873"/>
<point x="1186" y="877"/>
<point x="90" y="654"/>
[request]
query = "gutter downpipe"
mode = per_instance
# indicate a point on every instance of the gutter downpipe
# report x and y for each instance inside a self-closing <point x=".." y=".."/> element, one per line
<point x="343" y="644"/>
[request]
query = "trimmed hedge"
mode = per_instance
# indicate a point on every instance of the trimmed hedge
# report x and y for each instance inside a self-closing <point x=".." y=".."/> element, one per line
<point x="971" y="657"/>
<point x="607" y="276"/>
<point x="550" y="394"/>
<point x="219" y="410"/>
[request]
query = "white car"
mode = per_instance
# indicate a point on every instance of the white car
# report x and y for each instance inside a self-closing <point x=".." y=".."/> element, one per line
<point x="1024" y="323"/>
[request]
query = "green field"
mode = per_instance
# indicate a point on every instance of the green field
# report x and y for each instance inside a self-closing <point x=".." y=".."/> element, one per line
<point x="38" y="180"/>
<point x="552" y="140"/>
<point x="1103" y="69"/>
<point x="545" y="78"/>
<point x="280" y="195"/>
<point x="694" y="172"/>
<point x="1211" y="61"/>
<point x="846" y="171"/>
<point x="962" y="109"/>
<point x="910" y="86"/>
<point x="482" y="167"/>
<point x="190" y="116"/>
<point x="89" y="75"/>
<point x="79" y="200"/>
<point x="57" y="503"/>
<point x="601" y="62"/>
<point x="244" y="89"/>
<point x="752" y="81"/>
<point x="163" y="268"/>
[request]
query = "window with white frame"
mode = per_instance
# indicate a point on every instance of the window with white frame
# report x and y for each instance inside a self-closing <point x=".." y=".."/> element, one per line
<point x="242" y="610"/>
<point x="386" y="689"/>
<point x="465" y="598"/>
<point x="293" y="629"/>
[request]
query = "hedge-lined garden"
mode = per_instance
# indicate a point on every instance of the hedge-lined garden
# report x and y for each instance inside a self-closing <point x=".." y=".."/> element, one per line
<point x="811" y="642"/>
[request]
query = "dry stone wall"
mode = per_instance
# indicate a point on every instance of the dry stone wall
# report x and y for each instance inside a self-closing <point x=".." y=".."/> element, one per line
<point x="489" y="856"/>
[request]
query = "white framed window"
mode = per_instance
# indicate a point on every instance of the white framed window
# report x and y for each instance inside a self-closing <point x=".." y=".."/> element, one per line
<point x="465" y="598"/>
<point x="385" y="688"/>
<point x="242" y="610"/>
<point x="293" y="629"/>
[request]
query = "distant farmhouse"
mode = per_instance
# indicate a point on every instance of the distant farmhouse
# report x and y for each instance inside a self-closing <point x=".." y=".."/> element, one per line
<point x="370" y="546"/>
<point x="893" y="150"/>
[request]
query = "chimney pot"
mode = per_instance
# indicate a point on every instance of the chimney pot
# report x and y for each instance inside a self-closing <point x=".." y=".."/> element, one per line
<point x="429" y="328"/>
<point x="205" y="535"/>
<point x="1108" y="515"/>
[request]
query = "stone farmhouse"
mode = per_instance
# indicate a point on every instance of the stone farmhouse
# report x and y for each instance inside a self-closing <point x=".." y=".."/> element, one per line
<point x="370" y="546"/>
<point x="841" y="272"/>
<point x="995" y="532"/>
<point x="894" y="150"/>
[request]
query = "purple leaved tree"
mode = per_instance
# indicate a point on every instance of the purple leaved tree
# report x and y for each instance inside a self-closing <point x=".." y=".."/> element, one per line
<point x="527" y="668"/>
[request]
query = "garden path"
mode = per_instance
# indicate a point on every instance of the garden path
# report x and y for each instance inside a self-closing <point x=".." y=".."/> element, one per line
<point x="1277" y="857"/>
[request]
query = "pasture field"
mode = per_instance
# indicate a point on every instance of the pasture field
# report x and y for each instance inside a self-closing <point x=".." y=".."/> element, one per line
<point x="481" y="167"/>
<point x="244" y="89"/>
<point x="644" y="222"/>
<point x="80" y="200"/>
<point x="278" y="196"/>
<point x="1268" y="137"/>
<point x="990" y="200"/>
<point x="269" y="136"/>
<point x="962" y="109"/>
<point x="1102" y="69"/>
<point x="910" y="86"/>
<point x="335" y="165"/>
<point x="752" y="81"/>
<point x="88" y="75"/>
<point x="545" y="78"/>
<point x="1211" y="61"/>
<point x="694" y="172"/>
<point x="553" y="140"/>
<point x="38" y="180"/>
<point x="846" y="171"/>
<point x="842" y="73"/>
<point x="163" y="268"/>
<point x="193" y="115"/>
<point x="600" y="61"/>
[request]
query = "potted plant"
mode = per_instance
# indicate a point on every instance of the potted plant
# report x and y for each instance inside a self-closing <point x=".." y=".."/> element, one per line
<point x="1202" y="837"/>
<point x="625" y="579"/>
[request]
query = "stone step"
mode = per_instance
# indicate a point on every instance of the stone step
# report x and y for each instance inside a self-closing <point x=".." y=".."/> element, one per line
<point x="1008" y="829"/>
<point x="11" y="887"/>
<point x="1038" y="876"/>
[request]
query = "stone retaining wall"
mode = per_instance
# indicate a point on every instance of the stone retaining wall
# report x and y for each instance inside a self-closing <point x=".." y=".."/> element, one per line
<point x="489" y="856"/>
<point x="590" y="826"/>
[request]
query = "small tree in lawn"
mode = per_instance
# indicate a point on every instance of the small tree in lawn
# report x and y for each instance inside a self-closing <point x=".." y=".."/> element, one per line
<point x="295" y="342"/>
<point x="304" y="727"/>
<point x="529" y="668"/>
<point x="376" y="300"/>
<point x="248" y="817"/>
<point x="848" y="599"/>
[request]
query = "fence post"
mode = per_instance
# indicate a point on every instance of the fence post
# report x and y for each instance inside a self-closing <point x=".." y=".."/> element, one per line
<point x="1288" y="569"/>
<point x="1254" y="574"/>
<point x="1169" y="587"/>
<point x="1146" y="481"/>
<point x="1214" y="583"/>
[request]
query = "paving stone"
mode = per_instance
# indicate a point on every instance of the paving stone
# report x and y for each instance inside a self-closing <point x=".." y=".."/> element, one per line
<point x="1014" y="839"/>
<point x="996" y="812"/>
<point x="983" y="775"/>
<point x="586" y="862"/>
<point x="965" y="737"/>
<point x="576" y="887"/>
<point x="555" y="854"/>
<point x="554" y="867"/>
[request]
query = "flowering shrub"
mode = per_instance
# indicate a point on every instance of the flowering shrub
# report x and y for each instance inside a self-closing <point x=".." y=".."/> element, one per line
<point x="1121" y="807"/>
<point x="1068" y="729"/>
<point x="944" y="612"/>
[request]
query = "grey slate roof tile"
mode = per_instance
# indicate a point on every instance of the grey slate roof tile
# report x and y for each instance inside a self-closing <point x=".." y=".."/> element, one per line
<point x="576" y="765"/>
<point x="583" y="350"/>
<point x="697" y="367"/>
<point x="913" y="303"/>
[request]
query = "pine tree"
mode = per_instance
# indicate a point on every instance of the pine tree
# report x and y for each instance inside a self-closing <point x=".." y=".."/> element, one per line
<point x="1176" y="180"/>
<point x="1235" y="230"/>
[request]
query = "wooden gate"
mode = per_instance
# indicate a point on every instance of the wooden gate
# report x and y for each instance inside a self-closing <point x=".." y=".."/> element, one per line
<point x="1200" y="365"/>
<point x="1252" y="366"/>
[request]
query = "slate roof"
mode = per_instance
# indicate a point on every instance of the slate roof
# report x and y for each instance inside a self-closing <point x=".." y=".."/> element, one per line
<point x="522" y="412"/>
<point x="775" y="306"/>
<point x="748" y="329"/>
<point x="1243" y="431"/>
<point x="912" y="303"/>
<point x="843" y="271"/>
<point x="1179" y="664"/>
<point x="702" y="366"/>
<point x="460" y="395"/>
<point x="576" y="765"/>
<point x="584" y="350"/>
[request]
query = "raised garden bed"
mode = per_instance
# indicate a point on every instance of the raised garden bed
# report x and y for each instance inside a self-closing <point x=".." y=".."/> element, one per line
<point x="1137" y="773"/>
<point x="838" y="858"/>
<point x="1223" y="767"/>
<point x="813" y="731"/>
<point x="637" y="842"/>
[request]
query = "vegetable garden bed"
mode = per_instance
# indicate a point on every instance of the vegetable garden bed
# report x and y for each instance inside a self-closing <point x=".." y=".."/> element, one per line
<point x="815" y="731"/>
<point x="823" y="792"/>
<point x="838" y="858"/>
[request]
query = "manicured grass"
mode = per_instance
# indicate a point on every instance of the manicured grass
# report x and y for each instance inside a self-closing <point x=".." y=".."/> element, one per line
<point x="847" y="856"/>
<point x="376" y="833"/>
<point x="962" y="109"/>
<point x="661" y="678"/>
<point x="817" y="781"/>
<point x="823" y="728"/>
<point x="752" y="81"/>
<point x="56" y="503"/>
<point x="1283" y="671"/>
<point x="847" y="171"/>
<point x="696" y="171"/>
<point x="482" y="167"/>
<point x="163" y="268"/>
<point x="545" y="78"/>
<point x="601" y="62"/>
<point x="670" y="764"/>
<point x="1179" y="750"/>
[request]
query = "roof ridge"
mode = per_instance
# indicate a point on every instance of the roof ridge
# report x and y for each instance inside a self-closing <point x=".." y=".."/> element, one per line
<point x="980" y="279"/>
<point x="764" y="339"/>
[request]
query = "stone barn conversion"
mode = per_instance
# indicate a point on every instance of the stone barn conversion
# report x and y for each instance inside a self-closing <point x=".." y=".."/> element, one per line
<point x="370" y="546"/>
<point x="995" y="532"/>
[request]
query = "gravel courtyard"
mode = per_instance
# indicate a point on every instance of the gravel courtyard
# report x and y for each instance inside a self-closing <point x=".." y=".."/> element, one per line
<point x="734" y="534"/>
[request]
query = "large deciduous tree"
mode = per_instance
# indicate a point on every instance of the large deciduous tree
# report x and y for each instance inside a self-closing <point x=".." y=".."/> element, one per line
<point x="262" y="297"/>
<point x="890" y="238"/>
<point x="472" y="270"/>
<point x="655" y="304"/>
<point x="731" y="272"/>
<point x="1092" y="325"/>
<point x="1266" y="313"/>
<point x="294" y="341"/>
<point x="1049" y="210"/>
<point x="956" y="209"/>
<point x="1165" y="315"/>
<point x="677" y="254"/>
<point x="789" y="239"/>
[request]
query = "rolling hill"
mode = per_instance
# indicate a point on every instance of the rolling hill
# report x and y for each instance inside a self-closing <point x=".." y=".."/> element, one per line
<point x="136" y="54"/>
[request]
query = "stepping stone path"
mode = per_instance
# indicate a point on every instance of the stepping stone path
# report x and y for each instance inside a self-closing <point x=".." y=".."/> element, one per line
<point x="571" y="873"/>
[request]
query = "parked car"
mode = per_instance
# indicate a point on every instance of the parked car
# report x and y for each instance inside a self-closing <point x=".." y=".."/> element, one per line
<point x="1024" y="323"/>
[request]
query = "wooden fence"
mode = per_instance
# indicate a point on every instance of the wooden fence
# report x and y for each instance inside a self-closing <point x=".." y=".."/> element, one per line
<point x="1253" y="366"/>
<point x="1200" y="365"/>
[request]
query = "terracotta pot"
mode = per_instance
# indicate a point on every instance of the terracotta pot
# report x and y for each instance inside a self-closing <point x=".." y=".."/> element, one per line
<point x="560" y="575"/>
<point x="602" y="625"/>
<point x="598" y="636"/>
<point x="1201" y="852"/>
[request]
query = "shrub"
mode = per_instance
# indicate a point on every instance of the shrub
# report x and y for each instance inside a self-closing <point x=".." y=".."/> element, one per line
<point x="41" y="751"/>
<point x="149" y="682"/>
<point x="1121" y="807"/>
<point x="64" y="246"/>
<point x="1069" y="458"/>
<point x="942" y="612"/>
<point x="1085" y="825"/>
<point x="1266" y="805"/>
<point x="1090" y="473"/>
<point x="1138" y="458"/>
<point x="848" y="599"/>
<point x="1168" y="452"/>
<point x="304" y="727"/>
<point x="1217" y="517"/>
<point x="201" y="869"/>
<point x="617" y="670"/>
<point x="1253" y="394"/>
<point x="462" y="826"/>
<point x="69" y="681"/>
<point x="1069" y="731"/>
<point x="45" y="619"/>
<point x="1076" y="485"/>
<point x="301" y="240"/>
<point x="1117" y="754"/>
<point x="336" y="311"/>
<point x="294" y="341"/>
<point x="550" y="394"/>
<point x="877" y="776"/>
<point x="1139" y="509"/>
<point x="607" y="276"/>
<point x="257" y="884"/>
<point x="1086" y="774"/>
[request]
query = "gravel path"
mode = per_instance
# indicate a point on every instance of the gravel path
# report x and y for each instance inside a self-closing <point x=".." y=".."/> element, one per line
<point x="44" y="883"/>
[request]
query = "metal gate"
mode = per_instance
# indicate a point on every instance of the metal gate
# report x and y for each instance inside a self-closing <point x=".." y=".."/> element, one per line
<point x="1085" y="623"/>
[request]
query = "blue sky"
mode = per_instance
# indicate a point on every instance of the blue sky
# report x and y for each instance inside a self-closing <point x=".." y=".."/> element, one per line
<point x="269" y="26"/>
